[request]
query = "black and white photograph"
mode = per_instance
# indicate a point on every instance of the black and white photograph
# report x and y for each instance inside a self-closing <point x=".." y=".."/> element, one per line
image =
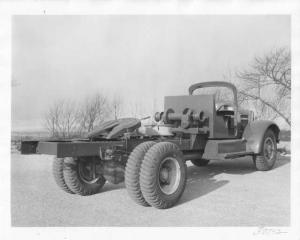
<point x="152" y="120"/>
<point x="119" y="116"/>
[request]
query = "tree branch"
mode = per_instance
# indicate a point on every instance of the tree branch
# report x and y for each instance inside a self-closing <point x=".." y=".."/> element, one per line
<point x="269" y="105"/>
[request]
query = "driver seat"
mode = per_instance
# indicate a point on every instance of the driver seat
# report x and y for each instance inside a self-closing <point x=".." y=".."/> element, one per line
<point x="226" y="112"/>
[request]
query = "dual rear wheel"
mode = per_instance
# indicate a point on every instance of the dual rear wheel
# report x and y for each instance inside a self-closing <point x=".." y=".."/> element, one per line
<point x="77" y="176"/>
<point x="156" y="174"/>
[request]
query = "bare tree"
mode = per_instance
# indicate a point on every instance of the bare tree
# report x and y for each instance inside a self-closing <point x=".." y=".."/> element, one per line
<point x="67" y="119"/>
<point x="117" y="106"/>
<point x="93" y="112"/>
<point x="266" y="84"/>
<point x="51" y="118"/>
<point x="135" y="109"/>
<point x="60" y="119"/>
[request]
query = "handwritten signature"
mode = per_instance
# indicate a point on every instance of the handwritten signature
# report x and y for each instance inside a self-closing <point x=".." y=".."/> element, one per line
<point x="268" y="231"/>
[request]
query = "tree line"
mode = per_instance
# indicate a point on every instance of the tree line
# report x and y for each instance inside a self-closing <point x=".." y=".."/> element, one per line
<point x="67" y="118"/>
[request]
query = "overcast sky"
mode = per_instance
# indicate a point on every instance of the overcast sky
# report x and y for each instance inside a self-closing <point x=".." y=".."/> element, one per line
<point x="141" y="58"/>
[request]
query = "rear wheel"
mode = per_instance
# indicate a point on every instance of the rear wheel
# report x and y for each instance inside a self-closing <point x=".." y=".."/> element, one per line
<point x="266" y="159"/>
<point x="57" y="170"/>
<point x="200" y="162"/>
<point x="81" y="176"/>
<point x="132" y="172"/>
<point x="163" y="175"/>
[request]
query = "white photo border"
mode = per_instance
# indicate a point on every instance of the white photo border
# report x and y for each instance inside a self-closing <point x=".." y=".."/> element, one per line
<point x="8" y="9"/>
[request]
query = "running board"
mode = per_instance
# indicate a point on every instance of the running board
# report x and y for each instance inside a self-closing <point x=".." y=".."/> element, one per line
<point x="237" y="154"/>
<point x="224" y="149"/>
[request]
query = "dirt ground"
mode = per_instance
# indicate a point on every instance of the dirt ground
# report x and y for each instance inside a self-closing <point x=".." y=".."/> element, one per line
<point x="227" y="193"/>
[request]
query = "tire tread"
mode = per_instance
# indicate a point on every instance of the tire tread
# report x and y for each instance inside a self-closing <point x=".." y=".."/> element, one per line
<point x="132" y="172"/>
<point x="74" y="182"/>
<point x="260" y="162"/>
<point x="57" y="171"/>
<point x="148" y="175"/>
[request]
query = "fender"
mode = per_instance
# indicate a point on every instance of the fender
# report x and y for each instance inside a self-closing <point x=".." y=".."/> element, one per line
<point x="254" y="133"/>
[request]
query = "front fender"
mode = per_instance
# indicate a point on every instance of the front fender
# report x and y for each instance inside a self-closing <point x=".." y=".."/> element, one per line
<point x="254" y="133"/>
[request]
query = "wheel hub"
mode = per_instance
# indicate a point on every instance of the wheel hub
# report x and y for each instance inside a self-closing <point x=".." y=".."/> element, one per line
<point x="87" y="171"/>
<point x="169" y="175"/>
<point x="269" y="148"/>
<point x="164" y="175"/>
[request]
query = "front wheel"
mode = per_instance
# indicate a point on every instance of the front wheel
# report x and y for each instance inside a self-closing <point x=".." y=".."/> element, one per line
<point x="81" y="176"/>
<point x="163" y="175"/>
<point x="266" y="159"/>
